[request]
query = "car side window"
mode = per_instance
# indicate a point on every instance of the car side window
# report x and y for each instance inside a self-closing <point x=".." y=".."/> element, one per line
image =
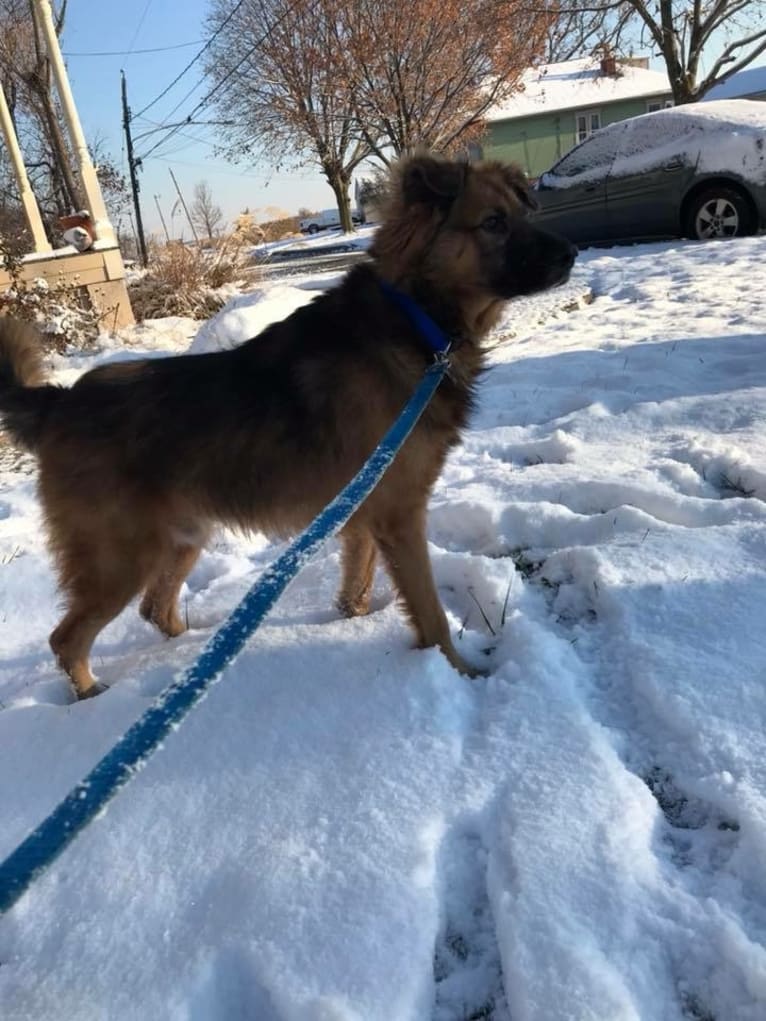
<point x="590" y="160"/>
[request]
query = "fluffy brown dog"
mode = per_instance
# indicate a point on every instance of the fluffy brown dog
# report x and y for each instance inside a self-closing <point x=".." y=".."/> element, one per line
<point x="139" y="460"/>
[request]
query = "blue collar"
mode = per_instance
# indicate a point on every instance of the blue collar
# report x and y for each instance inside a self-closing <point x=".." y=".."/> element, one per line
<point x="434" y="335"/>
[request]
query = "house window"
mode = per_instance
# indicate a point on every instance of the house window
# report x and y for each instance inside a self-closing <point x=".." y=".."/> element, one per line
<point x="586" y="123"/>
<point x="658" y="104"/>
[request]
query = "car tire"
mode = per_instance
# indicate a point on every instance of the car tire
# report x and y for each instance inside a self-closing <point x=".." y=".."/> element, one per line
<point x="313" y="229"/>
<point x="719" y="212"/>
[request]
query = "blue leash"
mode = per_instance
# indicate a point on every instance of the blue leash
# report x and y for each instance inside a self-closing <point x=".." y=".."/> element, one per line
<point x="132" y="751"/>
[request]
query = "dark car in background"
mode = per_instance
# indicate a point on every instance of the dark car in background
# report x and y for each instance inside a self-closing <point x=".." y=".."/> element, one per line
<point x="696" y="171"/>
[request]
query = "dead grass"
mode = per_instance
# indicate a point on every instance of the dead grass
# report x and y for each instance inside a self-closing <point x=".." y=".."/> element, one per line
<point x="182" y="280"/>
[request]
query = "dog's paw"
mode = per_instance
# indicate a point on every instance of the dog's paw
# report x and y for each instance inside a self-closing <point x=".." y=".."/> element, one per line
<point x="467" y="669"/>
<point x="353" y="607"/>
<point x="91" y="691"/>
<point x="474" y="671"/>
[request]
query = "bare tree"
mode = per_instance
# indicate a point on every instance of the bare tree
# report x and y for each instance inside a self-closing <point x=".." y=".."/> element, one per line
<point x="26" y="66"/>
<point x="285" y="94"/>
<point x="113" y="183"/>
<point x="27" y="79"/>
<point x="425" y="72"/>
<point x="728" y="34"/>
<point x="206" y="215"/>
<point x="702" y="42"/>
<point x="575" y="30"/>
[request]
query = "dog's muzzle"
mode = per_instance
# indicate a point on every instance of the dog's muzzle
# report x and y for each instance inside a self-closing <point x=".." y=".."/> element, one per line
<point x="537" y="259"/>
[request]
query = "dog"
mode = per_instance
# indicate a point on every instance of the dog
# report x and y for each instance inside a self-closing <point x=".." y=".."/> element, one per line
<point x="140" y="460"/>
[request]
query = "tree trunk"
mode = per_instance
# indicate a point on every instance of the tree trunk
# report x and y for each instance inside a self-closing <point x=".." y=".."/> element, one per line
<point x="339" y="183"/>
<point x="58" y="149"/>
<point x="60" y="153"/>
<point x="38" y="80"/>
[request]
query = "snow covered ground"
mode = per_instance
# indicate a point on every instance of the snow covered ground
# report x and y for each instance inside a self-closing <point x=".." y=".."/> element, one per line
<point x="346" y="830"/>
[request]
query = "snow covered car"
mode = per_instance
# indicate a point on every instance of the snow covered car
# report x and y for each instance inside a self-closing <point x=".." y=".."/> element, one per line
<point x="696" y="171"/>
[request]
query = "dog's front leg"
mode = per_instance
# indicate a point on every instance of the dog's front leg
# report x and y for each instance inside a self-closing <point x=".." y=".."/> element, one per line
<point x="402" y="543"/>
<point x="359" y="555"/>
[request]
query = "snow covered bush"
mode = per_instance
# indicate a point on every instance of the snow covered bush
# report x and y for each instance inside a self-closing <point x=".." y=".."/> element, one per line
<point x="62" y="311"/>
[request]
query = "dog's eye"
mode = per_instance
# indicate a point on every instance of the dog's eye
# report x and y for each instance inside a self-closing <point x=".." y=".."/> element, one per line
<point x="495" y="224"/>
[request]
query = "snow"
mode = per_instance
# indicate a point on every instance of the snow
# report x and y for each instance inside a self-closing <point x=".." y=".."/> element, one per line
<point x="359" y="240"/>
<point x="346" y="829"/>
<point x="248" y="314"/>
<point x="750" y="81"/>
<point x="727" y="136"/>
<point x="577" y="84"/>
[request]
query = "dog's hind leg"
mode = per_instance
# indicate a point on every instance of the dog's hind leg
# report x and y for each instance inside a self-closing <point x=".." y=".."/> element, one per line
<point x="160" y="602"/>
<point x="95" y="598"/>
<point x="359" y="555"/>
<point x="402" y="542"/>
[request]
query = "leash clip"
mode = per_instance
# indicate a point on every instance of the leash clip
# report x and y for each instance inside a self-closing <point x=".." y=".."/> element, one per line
<point x="441" y="360"/>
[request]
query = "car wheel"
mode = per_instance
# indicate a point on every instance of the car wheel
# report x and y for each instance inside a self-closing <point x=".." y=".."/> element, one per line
<point x="313" y="229"/>
<point x="719" y="213"/>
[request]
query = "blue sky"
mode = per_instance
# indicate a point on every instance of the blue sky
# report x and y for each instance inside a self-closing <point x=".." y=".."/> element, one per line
<point x="144" y="24"/>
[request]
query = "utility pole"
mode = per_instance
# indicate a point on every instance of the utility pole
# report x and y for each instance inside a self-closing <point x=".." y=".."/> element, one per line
<point x="162" y="218"/>
<point x="133" y="164"/>
<point x="191" y="224"/>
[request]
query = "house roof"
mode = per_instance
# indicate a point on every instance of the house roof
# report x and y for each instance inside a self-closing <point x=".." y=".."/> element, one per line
<point x="743" y="83"/>
<point x="575" y="84"/>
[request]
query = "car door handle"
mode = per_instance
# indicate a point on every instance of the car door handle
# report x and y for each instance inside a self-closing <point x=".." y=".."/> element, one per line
<point x="590" y="187"/>
<point x="674" y="164"/>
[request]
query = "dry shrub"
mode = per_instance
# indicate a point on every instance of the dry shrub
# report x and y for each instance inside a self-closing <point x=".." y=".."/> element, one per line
<point x="275" y="230"/>
<point x="182" y="279"/>
<point x="62" y="311"/>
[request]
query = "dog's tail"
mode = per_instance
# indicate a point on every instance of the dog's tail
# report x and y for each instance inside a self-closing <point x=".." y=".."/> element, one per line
<point x="25" y="398"/>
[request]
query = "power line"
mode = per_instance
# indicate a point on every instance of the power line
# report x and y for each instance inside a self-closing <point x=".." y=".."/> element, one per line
<point x="265" y="179"/>
<point x="180" y="124"/>
<point x="195" y="58"/>
<point x="129" y="53"/>
<point x="183" y="99"/>
<point x="139" y="26"/>
<point x="233" y="70"/>
<point x="206" y="166"/>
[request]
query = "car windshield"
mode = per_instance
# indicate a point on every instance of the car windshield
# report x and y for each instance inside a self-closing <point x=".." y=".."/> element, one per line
<point x="588" y="161"/>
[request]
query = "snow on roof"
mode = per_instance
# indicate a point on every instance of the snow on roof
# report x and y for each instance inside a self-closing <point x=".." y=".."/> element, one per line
<point x="575" y="84"/>
<point x="744" y="83"/>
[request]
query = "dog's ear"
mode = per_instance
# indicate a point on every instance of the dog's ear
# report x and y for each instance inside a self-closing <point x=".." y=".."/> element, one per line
<point x="517" y="181"/>
<point x="430" y="181"/>
<point x="527" y="197"/>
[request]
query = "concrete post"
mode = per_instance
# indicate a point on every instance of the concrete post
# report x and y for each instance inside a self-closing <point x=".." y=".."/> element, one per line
<point x="91" y="187"/>
<point x="28" y="199"/>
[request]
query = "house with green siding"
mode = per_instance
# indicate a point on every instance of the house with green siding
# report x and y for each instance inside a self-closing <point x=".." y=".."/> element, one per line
<point x="559" y="105"/>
